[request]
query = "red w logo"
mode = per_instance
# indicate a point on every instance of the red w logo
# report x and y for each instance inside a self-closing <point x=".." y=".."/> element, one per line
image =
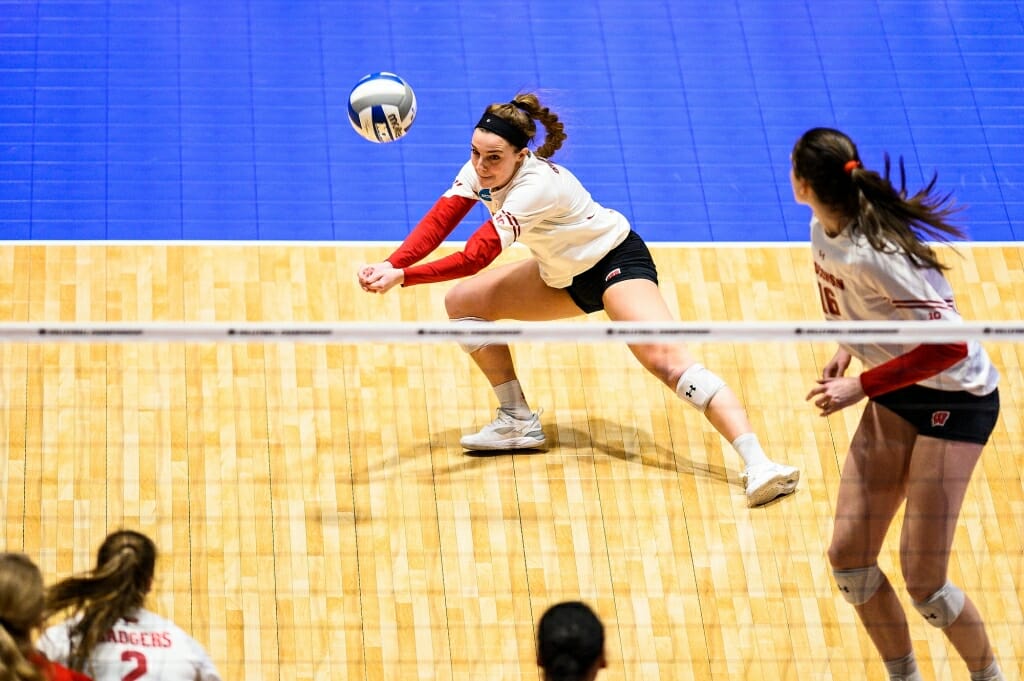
<point x="939" y="418"/>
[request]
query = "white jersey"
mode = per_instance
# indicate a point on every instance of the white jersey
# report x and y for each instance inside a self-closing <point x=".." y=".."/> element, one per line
<point x="143" y="647"/>
<point x="857" y="282"/>
<point x="549" y="211"/>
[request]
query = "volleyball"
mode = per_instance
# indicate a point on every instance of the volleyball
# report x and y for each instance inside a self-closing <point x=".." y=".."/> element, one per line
<point x="381" y="107"/>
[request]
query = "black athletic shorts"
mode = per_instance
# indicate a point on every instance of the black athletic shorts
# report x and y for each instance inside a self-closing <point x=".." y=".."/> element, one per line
<point x="629" y="260"/>
<point x="958" y="416"/>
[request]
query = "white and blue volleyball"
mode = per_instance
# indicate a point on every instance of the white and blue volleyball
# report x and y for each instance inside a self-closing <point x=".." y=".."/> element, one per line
<point x="381" y="107"/>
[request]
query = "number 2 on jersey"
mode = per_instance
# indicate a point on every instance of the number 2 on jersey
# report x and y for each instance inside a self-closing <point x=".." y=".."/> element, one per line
<point x="140" y="665"/>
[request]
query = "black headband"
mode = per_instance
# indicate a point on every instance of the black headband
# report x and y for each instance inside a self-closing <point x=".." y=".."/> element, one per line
<point x="504" y="129"/>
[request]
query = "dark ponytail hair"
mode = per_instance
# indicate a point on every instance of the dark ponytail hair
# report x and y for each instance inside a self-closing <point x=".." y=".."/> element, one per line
<point x="522" y="111"/>
<point x="116" y="587"/>
<point x="570" y="641"/>
<point x="885" y="215"/>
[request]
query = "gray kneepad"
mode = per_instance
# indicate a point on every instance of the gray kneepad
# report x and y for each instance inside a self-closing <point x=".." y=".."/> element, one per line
<point x="859" y="584"/>
<point x="472" y="347"/>
<point x="943" y="607"/>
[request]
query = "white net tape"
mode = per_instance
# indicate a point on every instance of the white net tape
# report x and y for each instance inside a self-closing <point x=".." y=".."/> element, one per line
<point x="572" y="332"/>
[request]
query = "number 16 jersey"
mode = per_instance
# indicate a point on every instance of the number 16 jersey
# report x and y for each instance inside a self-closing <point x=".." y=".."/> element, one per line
<point x="857" y="282"/>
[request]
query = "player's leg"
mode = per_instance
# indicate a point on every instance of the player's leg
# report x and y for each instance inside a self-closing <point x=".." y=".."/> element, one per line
<point x="940" y="471"/>
<point x="512" y="291"/>
<point x="871" y="489"/>
<point x="640" y="300"/>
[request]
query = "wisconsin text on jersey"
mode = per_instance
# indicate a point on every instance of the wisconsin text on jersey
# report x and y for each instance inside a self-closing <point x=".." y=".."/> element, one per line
<point x="829" y="278"/>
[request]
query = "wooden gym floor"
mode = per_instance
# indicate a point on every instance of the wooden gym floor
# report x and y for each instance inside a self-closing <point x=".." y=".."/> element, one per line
<point x="318" y="519"/>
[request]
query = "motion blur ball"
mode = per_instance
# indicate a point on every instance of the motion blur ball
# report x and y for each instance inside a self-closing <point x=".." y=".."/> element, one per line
<point x="381" y="107"/>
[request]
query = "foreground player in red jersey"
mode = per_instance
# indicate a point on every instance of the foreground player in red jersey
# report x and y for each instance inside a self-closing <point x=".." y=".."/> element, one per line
<point x="21" y="613"/>
<point x="585" y="258"/>
<point x="110" y="634"/>
<point x="931" y="408"/>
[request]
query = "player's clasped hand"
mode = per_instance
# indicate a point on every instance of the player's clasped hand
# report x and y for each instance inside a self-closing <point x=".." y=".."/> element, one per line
<point x="835" y="393"/>
<point x="380" y="277"/>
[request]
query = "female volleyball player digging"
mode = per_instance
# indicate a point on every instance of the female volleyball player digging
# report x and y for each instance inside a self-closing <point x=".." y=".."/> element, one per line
<point x="931" y="408"/>
<point x="585" y="258"/>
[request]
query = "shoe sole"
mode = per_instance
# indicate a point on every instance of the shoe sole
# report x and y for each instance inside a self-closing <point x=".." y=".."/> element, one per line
<point x="778" y="486"/>
<point x="504" y="445"/>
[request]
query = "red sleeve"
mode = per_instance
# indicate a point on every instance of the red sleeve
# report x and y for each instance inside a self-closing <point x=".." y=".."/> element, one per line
<point x="922" y="362"/>
<point x="481" y="249"/>
<point x="434" y="228"/>
<point x="53" y="671"/>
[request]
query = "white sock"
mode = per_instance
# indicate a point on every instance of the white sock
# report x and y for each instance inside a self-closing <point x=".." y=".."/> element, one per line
<point x="905" y="668"/>
<point x="513" y="401"/>
<point x="989" y="673"/>
<point x="750" y="449"/>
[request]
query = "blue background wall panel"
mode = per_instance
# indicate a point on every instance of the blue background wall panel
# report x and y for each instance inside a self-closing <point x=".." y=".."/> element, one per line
<point x="197" y="120"/>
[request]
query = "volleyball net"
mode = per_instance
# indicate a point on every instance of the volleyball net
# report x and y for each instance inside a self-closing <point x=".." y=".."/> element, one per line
<point x="318" y="517"/>
<point x="512" y="332"/>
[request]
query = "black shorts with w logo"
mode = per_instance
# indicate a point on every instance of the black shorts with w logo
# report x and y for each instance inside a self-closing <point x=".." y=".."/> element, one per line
<point x="944" y="414"/>
<point x="629" y="260"/>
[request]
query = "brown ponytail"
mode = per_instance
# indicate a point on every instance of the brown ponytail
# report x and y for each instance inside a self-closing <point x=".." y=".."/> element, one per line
<point x="522" y="111"/>
<point x="21" y="611"/>
<point x="884" y="214"/>
<point x="117" y="586"/>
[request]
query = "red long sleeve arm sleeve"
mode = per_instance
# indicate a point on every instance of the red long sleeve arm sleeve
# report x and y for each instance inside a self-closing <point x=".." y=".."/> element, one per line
<point x="430" y="231"/>
<point x="922" y="362"/>
<point x="482" y="247"/>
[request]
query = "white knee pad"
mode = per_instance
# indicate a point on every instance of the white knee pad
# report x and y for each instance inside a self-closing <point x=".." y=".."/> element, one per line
<point x="943" y="607"/>
<point x="859" y="584"/>
<point x="698" y="385"/>
<point x="472" y="347"/>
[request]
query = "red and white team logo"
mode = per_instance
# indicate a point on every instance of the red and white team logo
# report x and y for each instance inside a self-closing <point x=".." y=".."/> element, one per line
<point x="614" y="273"/>
<point x="939" y="418"/>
